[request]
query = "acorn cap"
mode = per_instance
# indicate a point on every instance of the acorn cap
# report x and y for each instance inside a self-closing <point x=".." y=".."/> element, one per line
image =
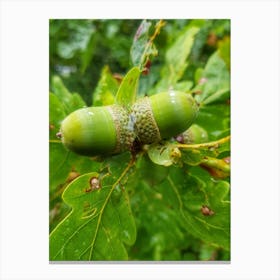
<point x="145" y="125"/>
<point x="163" y="115"/>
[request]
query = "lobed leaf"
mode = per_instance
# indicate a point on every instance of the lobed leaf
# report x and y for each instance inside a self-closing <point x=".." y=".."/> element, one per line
<point x="70" y="101"/>
<point x="169" y="217"/>
<point x="176" y="59"/>
<point x="100" y="221"/>
<point x="215" y="118"/>
<point x="159" y="234"/>
<point x="195" y="192"/>
<point x="214" y="83"/>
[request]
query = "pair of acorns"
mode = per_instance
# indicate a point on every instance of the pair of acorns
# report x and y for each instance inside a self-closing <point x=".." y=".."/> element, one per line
<point x="114" y="129"/>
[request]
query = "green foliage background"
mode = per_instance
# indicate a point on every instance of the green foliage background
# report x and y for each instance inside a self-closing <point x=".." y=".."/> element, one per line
<point x="151" y="209"/>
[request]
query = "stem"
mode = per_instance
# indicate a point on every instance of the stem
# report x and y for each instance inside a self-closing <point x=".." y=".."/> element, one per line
<point x="55" y="141"/>
<point x="205" y="145"/>
<point x="216" y="163"/>
<point x="158" y="26"/>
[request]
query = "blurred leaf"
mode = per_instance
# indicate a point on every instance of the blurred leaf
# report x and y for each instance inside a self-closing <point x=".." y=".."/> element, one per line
<point x="158" y="224"/>
<point x="215" y="118"/>
<point x="198" y="74"/>
<point x="126" y="94"/>
<point x="208" y="253"/>
<point x="88" y="53"/>
<point x="77" y="39"/>
<point x="176" y="59"/>
<point x="224" y="50"/>
<point x="56" y="115"/>
<point x="196" y="191"/>
<point x="214" y="84"/>
<point x="71" y="102"/>
<point x="184" y="86"/>
<point x="107" y="87"/>
<point x="143" y="47"/>
<point x="140" y="43"/>
<point x="150" y="172"/>
<point x="100" y="221"/>
<point x="218" y="168"/>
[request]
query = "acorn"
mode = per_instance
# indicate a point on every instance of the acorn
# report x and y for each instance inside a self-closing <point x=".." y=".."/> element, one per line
<point x="163" y="115"/>
<point x="96" y="131"/>
<point x="194" y="135"/>
<point x="108" y="130"/>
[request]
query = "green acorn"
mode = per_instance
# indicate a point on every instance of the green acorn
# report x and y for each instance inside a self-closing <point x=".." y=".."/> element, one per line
<point x="194" y="135"/>
<point x="97" y="131"/>
<point x="112" y="129"/>
<point x="163" y="115"/>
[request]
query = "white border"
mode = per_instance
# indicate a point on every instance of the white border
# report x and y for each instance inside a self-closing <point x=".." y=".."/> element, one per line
<point x="24" y="138"/>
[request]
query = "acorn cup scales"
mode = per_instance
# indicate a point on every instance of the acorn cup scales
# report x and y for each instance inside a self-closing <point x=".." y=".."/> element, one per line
<point x="163" y="115"/>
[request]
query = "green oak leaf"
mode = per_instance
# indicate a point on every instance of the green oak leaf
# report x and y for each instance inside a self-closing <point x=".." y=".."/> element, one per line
<point x="70" y="101"/>
<point x="56" y="115"/>
<point x="100" y="221"/>
<point x="142" y="47"/>
<point x="176" y="59"/>
<point x="150" y="172"/>
<point x="224" y="50"/>
<point x="190" y="194"/>
<point x="106" y="89"/>
<point x="214" y="84"/>
<point x="127" y="92"/>
<point x="215" y="118"/>
<point x="159" y="234"/>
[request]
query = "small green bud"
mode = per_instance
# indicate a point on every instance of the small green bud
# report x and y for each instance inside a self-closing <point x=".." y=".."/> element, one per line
<point x="194" y="135"/>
